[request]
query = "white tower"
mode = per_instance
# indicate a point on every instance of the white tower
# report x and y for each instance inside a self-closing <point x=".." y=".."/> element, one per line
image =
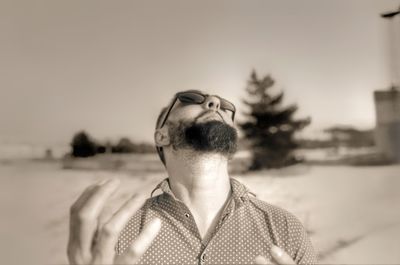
<point x="387" y="102"/>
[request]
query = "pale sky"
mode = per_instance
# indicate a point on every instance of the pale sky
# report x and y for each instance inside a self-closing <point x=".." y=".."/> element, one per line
<point x="109" y="66"/>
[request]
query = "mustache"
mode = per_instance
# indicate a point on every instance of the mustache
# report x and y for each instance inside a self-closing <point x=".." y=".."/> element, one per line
<point x="207" y="112"/>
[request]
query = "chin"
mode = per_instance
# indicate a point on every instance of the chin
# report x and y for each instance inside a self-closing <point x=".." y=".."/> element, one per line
<point x="212" y="136"/>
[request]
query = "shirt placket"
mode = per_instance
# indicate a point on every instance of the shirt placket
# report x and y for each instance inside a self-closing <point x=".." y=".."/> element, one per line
<point x="188" y="219"/>
<point x="192" y="226"/>
<point x="237" y="200"/>
<point x="181" y="218"/>
<point x="204" y="252"/>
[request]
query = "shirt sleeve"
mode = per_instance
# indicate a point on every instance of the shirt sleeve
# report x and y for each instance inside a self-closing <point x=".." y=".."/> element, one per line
<point x="303" y="250"/>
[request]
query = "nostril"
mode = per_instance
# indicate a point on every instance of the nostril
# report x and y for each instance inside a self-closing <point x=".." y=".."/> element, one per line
<point x="213" y="104"/>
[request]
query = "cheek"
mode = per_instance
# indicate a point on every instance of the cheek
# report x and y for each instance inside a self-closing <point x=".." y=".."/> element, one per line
<point x="227" y="117"/>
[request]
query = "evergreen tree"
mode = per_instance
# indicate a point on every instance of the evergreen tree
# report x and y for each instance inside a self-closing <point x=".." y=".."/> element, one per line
<point x="270" y="127"/>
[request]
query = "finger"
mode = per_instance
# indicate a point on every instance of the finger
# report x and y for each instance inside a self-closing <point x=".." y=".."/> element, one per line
<point x="83" y="222"/>
<point x="105" y="248"/>
<point x="280" y="256"/>
<point x="96" y="201"/>
<point x="260" y="260"/>
<point x="74" y="250"/>
<point x="86" y="194"/>
<point x="142" y="242"/>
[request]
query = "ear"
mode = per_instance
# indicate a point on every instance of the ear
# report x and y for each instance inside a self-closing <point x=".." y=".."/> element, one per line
<point x="161" y="137"/>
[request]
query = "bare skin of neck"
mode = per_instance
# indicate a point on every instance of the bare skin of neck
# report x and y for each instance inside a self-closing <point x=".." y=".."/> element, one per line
<point x="202" y="183"/>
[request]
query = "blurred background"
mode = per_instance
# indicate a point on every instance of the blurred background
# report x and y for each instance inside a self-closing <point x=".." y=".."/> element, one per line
<point x="315" y="84"/>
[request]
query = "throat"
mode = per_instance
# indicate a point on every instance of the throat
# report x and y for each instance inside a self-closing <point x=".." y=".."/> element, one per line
<point x="203" y="184"/>
<point x="208" y="221"/>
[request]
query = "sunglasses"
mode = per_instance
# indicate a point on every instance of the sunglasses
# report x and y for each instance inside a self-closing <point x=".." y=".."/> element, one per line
<point x="194" y="97"/>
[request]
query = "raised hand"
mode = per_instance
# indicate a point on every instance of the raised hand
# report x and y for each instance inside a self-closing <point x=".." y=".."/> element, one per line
<point x="280" y="257"/>
<point x="93" y="243"/>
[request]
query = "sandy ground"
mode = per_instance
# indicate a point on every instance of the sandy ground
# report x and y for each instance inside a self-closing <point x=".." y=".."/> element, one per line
<point x="351" y="213"/>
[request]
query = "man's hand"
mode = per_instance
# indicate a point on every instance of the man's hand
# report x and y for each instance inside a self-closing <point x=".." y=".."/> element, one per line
<point x="280" y="257"/>
<point x="93" y="243"/>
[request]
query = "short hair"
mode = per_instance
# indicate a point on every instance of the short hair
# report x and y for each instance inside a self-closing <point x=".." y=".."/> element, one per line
<point x="159" y="120"/>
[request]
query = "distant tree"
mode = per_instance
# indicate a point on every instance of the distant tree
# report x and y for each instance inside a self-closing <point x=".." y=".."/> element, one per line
<point x="82" y="145"/>
<point x="101" y="149"/>
<point x="270" y="127"/>
<point x="145" y="148"/>
<point x="350" y="137"/>
<point x="124" y="146"/>
<point x="48" y="154"/>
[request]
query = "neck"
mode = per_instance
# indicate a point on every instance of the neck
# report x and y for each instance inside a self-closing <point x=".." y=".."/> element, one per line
<point x="202" y="183"/>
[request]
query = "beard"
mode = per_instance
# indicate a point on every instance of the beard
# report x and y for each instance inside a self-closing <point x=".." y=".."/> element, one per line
<point x="207" y="137"/>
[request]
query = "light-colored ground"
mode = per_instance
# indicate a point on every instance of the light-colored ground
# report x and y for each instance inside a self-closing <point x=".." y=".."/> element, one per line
<point x="352" y="213"/>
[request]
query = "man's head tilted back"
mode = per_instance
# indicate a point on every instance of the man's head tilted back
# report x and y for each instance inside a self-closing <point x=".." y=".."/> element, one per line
<point x="197" y="122"/>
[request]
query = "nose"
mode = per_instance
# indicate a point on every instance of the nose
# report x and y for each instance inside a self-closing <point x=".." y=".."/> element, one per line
<point x="212" y="102"/>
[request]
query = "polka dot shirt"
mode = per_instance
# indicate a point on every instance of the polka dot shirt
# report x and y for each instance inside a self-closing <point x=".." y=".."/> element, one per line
<point x="247" y="228"/>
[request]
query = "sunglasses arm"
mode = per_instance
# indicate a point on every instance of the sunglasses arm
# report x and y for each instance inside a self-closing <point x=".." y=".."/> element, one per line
<point x="167" y="113"/>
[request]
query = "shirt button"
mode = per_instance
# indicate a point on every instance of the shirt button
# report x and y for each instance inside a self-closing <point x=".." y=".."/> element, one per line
<point x="203" y="257"/>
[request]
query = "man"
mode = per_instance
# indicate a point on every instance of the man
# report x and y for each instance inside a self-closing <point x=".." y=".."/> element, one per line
<point x="202" y="215"/>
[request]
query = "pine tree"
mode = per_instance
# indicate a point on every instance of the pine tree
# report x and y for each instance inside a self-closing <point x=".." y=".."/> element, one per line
<point x="270" y="128"/>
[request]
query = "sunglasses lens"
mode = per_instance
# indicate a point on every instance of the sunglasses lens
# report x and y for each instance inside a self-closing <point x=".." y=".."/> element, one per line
<point x="189" y="97"/>
<point x="227" y="105"/>
<point x="197" y="98"/>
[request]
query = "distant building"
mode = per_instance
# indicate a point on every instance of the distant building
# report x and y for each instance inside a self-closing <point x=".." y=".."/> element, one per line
<point x="387" y="131"/>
